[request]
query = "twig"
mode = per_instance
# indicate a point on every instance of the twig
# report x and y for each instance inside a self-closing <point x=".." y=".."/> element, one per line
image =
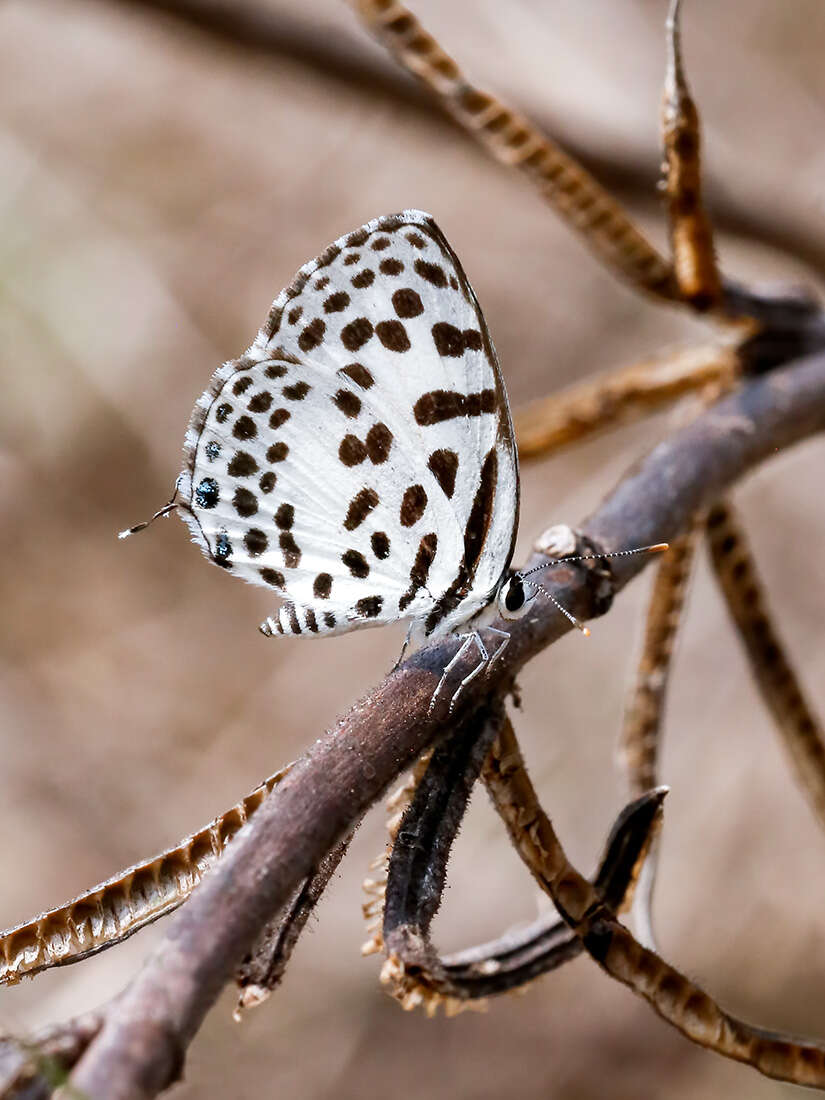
<point x="260" y="974"/>
<point x="676" y="998"/>
<point x="415" y="972"/>
<point x="514" y="141"/>
<point x="31" y="1069"/>
<point x="620" y="397"/>
<point x="114" y="910"/>
<point x="140" y="1049"/>
<point x="250" y="26"/>
<point x="691" y="239"/>
<point x="644" y="710"/>
<point x="773" y="674"/>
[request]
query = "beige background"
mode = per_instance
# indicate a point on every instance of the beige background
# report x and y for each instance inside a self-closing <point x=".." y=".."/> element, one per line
<point x="157" y="188"/>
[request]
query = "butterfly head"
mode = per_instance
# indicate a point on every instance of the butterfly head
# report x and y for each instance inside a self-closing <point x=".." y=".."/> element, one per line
<point x="515" y="597"/>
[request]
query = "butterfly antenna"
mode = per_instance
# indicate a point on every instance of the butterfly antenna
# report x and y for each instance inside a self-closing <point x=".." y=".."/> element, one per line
<point x="656" y="548"/>
<point x="580" y="626"/>
<point x="164" y="511"/>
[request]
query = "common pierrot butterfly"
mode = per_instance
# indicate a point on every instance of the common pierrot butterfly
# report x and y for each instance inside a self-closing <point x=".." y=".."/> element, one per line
<point x="359" y="459"/>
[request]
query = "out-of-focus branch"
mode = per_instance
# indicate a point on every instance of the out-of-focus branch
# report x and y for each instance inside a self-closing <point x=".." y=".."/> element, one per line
<point x="773" y="673"/>
<point x="676" y="998"/>
<point x="141" y="1047"/>
<point x="691" y="237"/>
<point x="645" y="708"/>
<point x="516" y="142"/>
<point x="251" y="26"/>
<point x="620" y="397"/>
<point x="30" y="1069"/>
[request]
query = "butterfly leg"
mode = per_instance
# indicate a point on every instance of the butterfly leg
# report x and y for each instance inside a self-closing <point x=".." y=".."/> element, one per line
<point x="505" y="642"/>
<point x="486" y="661"/>
<point x="467" y="641"/>
<point x="480" y="667"/>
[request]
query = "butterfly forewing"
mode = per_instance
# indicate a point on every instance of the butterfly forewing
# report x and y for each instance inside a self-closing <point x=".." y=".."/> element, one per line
<point x="359" y="459"/>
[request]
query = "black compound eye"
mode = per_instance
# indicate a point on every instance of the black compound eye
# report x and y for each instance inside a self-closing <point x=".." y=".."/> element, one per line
<point x="514" y="598"/>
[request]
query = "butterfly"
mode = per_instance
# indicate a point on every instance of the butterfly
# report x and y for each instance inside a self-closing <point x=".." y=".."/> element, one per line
<point x="359" y="460"/>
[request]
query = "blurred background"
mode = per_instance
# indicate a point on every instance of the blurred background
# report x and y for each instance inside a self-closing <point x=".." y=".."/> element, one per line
<point x="161" y="178"/>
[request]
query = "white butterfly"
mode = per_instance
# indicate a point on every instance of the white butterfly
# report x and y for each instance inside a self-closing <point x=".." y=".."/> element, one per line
<point x="359" y="459"/>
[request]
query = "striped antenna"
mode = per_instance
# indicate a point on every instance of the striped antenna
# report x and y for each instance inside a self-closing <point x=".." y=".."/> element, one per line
<point x="656" y="548"/>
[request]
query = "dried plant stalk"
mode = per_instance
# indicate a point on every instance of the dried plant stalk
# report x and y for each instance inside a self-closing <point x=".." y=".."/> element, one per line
<point x="514" y="141"/>
<point x="415" y="973"/>
<point x="375" y="887"/>
<point x="739" y="581"/>
<point x="691" y="237"/>
<point x="644" y="711"/>
<point x="645" y="707"/>
<point x="624" y="395"/>
<point x="260" y="974"/>
<point x="116" y="909"/>
<point x="677" y="999"/>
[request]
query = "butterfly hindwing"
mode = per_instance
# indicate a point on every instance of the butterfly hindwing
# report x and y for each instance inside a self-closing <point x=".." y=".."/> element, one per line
<point x="361" y="452"/>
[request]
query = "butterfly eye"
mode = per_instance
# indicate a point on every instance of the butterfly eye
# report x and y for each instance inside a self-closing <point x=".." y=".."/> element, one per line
<point x="514" y="598"/>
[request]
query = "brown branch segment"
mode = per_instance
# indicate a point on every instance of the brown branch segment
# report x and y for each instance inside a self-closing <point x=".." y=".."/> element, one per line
<point x="676" y="998"/>
<point x="139" y="1050"/>
<point x="773" y="674"/>
<point x="644" y="711"/>
<point x="515" y="142"/>
<point x="620" y="397"/>
<point x="691" y="237"/>
<point x="414" y="971"/>
<point x="114" y="910"/>
<point x="260" y="974"/>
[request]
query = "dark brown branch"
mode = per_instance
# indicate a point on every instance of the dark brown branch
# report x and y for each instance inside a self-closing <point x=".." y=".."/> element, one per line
<point x="260" y="974"/>
<point x="417" y="871"/>
<point x="141" y="1047"/>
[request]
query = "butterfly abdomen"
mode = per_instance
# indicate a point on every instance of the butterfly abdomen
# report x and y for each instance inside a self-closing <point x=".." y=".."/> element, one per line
<point x="294" y="620"/>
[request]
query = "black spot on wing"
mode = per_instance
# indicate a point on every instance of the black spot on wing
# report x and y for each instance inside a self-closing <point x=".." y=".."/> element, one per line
<point x="207" y="493"/>
<point x="255" y="542"/>
<point x="437" y="406"/>
<point x="357" y="564"/>
<point x="380" y="544"/>
<point x="360" y="507"/>
<point x="420" y="568"/>
<point x="369" y="607"/>
<point x="413" y="504"/>
<point x="481" y="513"/>
<point x="273" y="577"/>
<point x="322" y="586"/>
<point x="242" y="464"/>
<point x="443" y="465"/>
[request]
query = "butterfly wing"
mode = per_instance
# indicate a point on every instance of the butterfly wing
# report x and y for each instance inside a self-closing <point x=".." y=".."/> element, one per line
<point x="359" y="458"/>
